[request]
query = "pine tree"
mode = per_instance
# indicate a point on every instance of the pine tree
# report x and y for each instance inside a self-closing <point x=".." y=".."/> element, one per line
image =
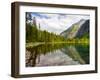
<point x="28" y="16"/>
<point x="34" y="21"/>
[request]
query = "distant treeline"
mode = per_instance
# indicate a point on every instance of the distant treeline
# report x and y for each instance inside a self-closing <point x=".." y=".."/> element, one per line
<point x="36" y="35"/>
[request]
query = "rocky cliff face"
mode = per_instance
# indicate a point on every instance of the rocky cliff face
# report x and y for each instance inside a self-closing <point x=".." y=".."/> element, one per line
<point x="78" y="29"/>
<point x="84" y="29"/>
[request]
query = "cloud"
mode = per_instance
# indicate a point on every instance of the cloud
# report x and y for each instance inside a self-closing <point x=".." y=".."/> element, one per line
<point x="57" y="22"/>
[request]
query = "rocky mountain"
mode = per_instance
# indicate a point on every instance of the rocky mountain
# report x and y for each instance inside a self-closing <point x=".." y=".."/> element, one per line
<point x="77" y="30"/>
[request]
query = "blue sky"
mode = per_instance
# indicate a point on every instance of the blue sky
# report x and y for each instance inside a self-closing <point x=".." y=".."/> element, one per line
<point x="57" y="22"/>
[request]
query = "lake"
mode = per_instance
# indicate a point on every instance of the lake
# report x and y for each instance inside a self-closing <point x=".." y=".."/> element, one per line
<point x="57" y="55"/>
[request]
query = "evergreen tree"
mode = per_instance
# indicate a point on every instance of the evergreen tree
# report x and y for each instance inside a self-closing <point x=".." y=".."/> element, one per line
<point x="28" y="16"/>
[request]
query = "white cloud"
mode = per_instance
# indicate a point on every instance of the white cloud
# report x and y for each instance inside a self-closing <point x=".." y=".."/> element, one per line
<point x="57" y="23"/>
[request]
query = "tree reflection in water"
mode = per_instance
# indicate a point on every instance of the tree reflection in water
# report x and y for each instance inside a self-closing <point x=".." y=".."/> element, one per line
<point x="56" y="55"/>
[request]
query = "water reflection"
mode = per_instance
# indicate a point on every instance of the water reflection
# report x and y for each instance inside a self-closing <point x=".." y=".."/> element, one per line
<point x="57" y="54"/>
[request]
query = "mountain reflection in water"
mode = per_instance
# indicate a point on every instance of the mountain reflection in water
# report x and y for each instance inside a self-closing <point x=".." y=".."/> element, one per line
<point x="57" y="55"/>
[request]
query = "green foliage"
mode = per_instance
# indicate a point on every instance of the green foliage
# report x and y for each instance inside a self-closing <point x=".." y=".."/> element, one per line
<point x="35" y="35"/>
<point x="31" y="33"/>
<point x="75" y="28"/>
<point x="86" y="35"/>
<point x="78" y="40"/>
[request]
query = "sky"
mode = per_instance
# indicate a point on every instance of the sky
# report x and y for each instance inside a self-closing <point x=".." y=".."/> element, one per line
<point x="57" y="23"/>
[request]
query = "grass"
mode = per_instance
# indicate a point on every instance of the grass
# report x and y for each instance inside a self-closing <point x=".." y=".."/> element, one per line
<point x="32" y="44"/>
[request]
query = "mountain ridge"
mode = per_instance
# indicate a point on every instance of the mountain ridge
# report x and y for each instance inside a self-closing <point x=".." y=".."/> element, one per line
<point x="77" y="29"/>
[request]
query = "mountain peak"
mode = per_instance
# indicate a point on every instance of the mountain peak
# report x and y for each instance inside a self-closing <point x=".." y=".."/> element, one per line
<point x="77" y="29"/>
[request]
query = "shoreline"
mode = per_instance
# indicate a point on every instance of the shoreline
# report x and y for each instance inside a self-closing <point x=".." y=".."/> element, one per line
<point x="32" y="44"/>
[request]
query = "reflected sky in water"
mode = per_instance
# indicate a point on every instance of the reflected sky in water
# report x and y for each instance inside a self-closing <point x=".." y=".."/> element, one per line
<point x="57" y="55"/>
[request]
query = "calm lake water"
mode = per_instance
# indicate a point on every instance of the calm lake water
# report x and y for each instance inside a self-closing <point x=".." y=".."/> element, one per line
<point x="57" y="55"/>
